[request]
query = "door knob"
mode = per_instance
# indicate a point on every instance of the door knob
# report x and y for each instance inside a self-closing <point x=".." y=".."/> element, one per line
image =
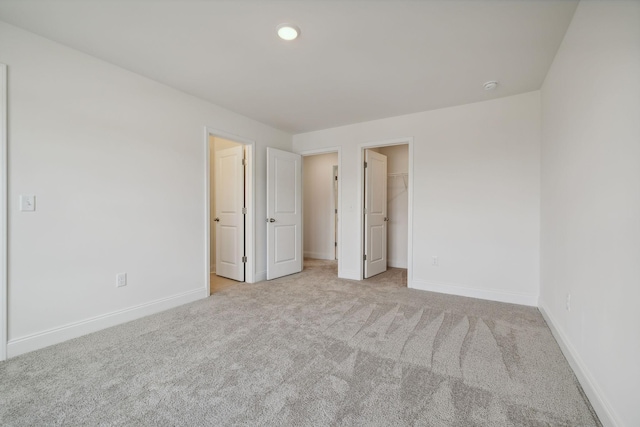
<point x="386" y="218"/>
<point x="271" y="220"/>
<point x="217" y="219"/>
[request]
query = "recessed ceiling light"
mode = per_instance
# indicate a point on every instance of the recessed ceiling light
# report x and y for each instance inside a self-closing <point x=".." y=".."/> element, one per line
<point x="288" y="31"/>
<point x="490" y="85"/>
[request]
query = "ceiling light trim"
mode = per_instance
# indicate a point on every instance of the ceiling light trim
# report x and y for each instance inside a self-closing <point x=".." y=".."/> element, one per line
<point x="288" y="32"/>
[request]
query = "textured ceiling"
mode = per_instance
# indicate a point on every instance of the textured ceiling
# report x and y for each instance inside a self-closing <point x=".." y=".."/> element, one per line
<point x="355" y="60"/>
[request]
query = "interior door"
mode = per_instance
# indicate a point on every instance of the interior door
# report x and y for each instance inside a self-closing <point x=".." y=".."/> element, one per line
<point x="229" y="182"/>
<point x="375" y="214"/>
<point x="335" y="210"/>
<point x="284" y="213"/>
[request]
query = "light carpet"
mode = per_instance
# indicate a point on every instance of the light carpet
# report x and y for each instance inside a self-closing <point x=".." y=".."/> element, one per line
<point x="306" y="350"/>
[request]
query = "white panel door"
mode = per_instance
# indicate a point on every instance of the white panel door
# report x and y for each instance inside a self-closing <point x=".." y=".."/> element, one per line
<point x="335" y="210"/>
<point x="229" y="182"/>
<point x="284" y="213"/>
<point x="375" y="215"/>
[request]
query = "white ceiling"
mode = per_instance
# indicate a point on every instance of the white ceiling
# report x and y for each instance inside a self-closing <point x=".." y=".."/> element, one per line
<point x="355" y="60"/>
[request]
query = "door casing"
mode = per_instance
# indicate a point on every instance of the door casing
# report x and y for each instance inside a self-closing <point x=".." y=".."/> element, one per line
<point x="386" y="143"/>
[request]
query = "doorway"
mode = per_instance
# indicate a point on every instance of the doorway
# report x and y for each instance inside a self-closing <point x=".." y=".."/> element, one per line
<point x="386" y="211"/>
<point x="230" y="250"/>
<point x="321" y="210"/>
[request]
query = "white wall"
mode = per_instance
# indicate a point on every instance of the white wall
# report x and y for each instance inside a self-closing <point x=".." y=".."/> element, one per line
<point x="397" y="204"/>
<point x="118" y="167"/>
<point x="318" y="206"/>
<point x="476" y="196"/>
<point x="591" y="204"/>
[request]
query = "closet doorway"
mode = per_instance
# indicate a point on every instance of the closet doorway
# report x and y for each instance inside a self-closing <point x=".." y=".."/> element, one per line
<point x="386" y="219"/>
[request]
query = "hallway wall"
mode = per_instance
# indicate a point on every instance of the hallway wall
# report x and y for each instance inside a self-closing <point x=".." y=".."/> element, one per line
<point x="318" y="205"/>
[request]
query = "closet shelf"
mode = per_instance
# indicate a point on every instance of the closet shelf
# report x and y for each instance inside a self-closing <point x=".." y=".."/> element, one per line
<point x="404" y="175"/>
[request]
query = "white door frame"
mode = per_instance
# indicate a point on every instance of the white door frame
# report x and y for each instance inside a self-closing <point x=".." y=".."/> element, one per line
<point x="386" y="143"/>
<point x="328" y="150"/>
<point x="250" y="200"/>
<point x="4" y="304"/>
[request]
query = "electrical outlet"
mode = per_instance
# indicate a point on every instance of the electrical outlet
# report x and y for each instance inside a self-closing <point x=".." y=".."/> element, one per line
<point x="568" y="303"/>
<point x="121" y="280"/>
<point x="434" y="261"/>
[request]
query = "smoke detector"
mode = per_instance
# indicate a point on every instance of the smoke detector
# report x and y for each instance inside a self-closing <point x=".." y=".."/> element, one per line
<point x="490" y="85"/>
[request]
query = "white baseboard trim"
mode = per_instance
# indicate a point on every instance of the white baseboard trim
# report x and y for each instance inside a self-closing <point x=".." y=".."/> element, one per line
<point x="349" y="274"/>
<point x="260" y="276"/>
<point x="319" y="255"/>
<point x="589" y="384"/>
<point x="464" y="291"/>
<point x="57" y="335"/>
<point x="397" y="263"/>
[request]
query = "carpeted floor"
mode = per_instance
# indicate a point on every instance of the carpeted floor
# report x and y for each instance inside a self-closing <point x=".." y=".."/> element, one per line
<point x="306" y="350"/>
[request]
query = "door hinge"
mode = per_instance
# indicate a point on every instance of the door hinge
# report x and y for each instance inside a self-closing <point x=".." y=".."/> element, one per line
<point x="244" y="211"/>
<point x="365" y="257"/>
<point x="244" y="162"/>
<point x="244" y="259"/>
<point x="336" y="177"/>
<point x="336" y="210"/>
<point x="335" y="244"/>
<point x="365" y="165"/>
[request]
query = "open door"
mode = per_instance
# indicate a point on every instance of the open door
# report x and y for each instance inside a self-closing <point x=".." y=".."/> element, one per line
<point x="284" y="213"/>
<point x="335" y="211"/>
<point x="375" y="213"/>
<point x="229" y="182"/>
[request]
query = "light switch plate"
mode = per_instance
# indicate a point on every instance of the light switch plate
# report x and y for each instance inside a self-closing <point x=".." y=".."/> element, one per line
<point x="27" y="202"/>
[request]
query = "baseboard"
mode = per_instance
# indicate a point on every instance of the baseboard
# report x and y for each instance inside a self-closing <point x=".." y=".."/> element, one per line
<point x="60" y="334"/>
<point x="589" y="385"/>
<point x="260" y="276"/>
<point x="319" y="255"/>
<point x="349" y="274"/>
<point x="397" y="263"/>
<point x="464" y="291"/>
